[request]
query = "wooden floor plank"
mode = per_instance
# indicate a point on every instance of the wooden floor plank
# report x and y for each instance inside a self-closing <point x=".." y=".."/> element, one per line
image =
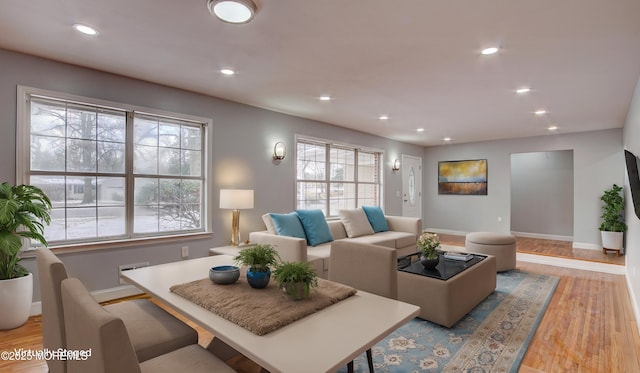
<point x="589" y="326"/>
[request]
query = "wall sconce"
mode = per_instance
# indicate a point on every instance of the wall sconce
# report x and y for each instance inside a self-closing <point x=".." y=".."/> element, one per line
<point x="279" y="151"/>
<point x="396" y="165"/>
<point x="236" y="200"/>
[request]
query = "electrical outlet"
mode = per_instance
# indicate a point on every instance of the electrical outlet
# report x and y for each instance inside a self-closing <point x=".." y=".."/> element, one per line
<point x="126" y="267"/>
<point x="185" y="251"/>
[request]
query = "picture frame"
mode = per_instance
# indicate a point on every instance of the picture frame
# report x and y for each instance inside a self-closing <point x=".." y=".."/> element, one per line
<point x="464" y="177"/>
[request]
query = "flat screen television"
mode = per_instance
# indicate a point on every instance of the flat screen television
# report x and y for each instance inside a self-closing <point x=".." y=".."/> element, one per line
<point x="634" y="179"/>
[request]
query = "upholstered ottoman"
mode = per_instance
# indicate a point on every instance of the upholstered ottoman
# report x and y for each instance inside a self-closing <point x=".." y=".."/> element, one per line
<point x="502" y="246"/>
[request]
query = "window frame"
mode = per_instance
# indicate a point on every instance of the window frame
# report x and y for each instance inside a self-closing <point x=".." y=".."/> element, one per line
<point x="328" y="144"/>
<point x="23" y="163"/>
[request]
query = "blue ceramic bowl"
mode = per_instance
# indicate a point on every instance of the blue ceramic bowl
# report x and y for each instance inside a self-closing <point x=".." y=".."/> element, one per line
<point x="224" y="274"/>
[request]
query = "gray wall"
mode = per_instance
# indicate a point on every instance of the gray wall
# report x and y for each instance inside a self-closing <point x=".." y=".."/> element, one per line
<point x="597" y="159"/>
<point x="542" y="193"/>
<point x="632" y="243"/>
<point x="243" y="139"/>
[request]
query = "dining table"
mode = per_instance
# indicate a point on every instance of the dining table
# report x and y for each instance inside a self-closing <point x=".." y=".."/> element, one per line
<point x="323" y="341"/>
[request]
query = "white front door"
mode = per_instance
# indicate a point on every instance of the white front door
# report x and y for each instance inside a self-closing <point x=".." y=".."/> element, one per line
<point x="411" y="186"/>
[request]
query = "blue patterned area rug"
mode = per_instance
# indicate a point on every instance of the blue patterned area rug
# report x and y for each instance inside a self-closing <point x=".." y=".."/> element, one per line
<point x="493" y="337"/>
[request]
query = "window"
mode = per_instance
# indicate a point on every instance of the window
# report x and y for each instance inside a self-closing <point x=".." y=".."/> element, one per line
<point x="112" y="173"/>
<point x="331" y="176"/>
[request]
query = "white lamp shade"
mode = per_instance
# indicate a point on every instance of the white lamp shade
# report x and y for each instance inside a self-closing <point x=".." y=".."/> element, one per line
<point x="236" y="199"/>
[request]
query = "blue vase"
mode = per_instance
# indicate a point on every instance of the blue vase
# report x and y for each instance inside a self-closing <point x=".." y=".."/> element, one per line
<point x="258" y="280"/>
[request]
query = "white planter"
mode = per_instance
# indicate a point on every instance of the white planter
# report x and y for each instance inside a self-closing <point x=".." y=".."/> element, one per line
<point x="16" y="296"/>
<point x="612" y="240"/>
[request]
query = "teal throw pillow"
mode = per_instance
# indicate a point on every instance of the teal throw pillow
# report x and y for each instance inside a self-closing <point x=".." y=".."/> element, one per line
<point x="288" y="225"/>
<point x="315" y="226"/>
<point x="376" y="218"/>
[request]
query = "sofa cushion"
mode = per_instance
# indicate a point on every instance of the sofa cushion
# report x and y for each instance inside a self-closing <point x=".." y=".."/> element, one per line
<point x="315" y="226"/>
<point x="266" y="218"/>
<point x="288" y="225"/>
<point x="355" y="222"/>
<point x="337" y="229"/>
<point x="375" y="239"/>
<point x="400" y="239"/>
<point x="376" y="218"/>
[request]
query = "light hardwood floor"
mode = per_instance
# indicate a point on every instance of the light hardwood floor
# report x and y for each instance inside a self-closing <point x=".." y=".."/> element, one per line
<point x="589" y="326"/>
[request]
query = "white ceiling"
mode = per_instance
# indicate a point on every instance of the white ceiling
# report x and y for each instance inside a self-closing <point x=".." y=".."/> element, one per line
<point x="416" y="60"/>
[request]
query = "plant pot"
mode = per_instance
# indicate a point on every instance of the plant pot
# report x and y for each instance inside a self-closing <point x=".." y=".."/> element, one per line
<point x="612" y="240"/>
<point x="16" y="296"/>
<point x="429" y="263"/>
<point x="258" y="280"/>
<point x="296" y="290"/>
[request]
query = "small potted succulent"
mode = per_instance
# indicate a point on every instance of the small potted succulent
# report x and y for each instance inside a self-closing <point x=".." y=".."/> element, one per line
<point x="428" y="243"/>
<point x="259" y="259"/>
<point x="295" y="279"/>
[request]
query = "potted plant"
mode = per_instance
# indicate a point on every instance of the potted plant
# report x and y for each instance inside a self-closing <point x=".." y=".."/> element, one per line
<point x="428" y="243"/>
<point x="259" y="259"/>
<point x="23" y="210"/>
<point x="612" y="227"/>
<point x="295" y="279"/>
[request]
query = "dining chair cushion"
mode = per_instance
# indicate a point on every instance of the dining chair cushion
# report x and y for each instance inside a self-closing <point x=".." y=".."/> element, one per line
<point x="90" y="326"/>
<point x="153" y="331"/>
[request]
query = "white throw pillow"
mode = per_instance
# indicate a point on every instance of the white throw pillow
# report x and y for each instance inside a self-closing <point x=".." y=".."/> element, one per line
<point x="266" y="218"/>
<point x="355" y="222"/>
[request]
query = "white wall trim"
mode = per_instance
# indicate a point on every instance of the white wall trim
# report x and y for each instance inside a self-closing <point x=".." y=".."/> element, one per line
<point x="586" y="245"/>
<point x="542" y="236"/>
<point x="634" y="302"/>
<point x="100" y="296"/>
<point x="573" y="263"/>
<point x="444" y="231"/>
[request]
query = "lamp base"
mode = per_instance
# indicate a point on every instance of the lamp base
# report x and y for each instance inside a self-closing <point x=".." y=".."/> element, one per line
<point x="235" y="228"/>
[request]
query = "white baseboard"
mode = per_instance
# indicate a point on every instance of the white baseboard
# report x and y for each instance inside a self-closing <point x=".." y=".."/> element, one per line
<point x="573" y="263"/>
<point x="445" y="231"/>
<point x="634" y="302"/>
<point x="542" y="236"/>
<point x="586" y="245"/>
<point x="100" y="296"/>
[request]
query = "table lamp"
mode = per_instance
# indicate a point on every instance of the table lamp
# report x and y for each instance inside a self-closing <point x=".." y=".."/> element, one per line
<point x="236" y="200"/>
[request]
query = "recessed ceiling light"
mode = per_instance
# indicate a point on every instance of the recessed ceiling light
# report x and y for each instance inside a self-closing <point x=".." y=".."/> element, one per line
<point x="420" y="129"/>
<point x="540" y="112"/>
<point x="552" y="128"/>
<point x="324" y="98"/>
<point x="233" y="11"/>
<point x="490" y="50"/>
<point x="383" y="117"/>
<point x="85" y="29"/>
<point x="523" y="90"/>
<point x="447" y="139"/>
<point x="227" y="71"/>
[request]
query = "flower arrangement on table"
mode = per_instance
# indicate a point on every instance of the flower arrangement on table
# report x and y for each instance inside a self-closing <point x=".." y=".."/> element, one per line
<point x="428" y="243"/>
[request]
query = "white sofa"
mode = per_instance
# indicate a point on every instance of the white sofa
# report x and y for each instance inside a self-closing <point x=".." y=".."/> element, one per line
<point x="402" y="235"/>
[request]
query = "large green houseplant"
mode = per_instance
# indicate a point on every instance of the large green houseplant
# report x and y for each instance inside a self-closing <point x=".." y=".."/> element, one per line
<point x="24" y="209"/>
<point x="612" y="225"/>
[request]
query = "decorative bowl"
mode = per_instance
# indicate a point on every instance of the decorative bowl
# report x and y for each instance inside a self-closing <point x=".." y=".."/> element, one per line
<point x="223" y="275"/>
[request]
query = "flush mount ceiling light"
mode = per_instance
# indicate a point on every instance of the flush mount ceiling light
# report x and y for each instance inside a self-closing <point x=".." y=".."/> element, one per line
<point x="325" y="98"/>
<point x="540" y="112"/>
<point x="227" y="71"/>
<point x="447" y="139"/>
<point x="233" y="11"/>
<point x="552" y="128"/>
<point x="523" y="90"/>
<point x="85" y="29"/>
<point x="490" y="50"/>
<point x="383" y="117"/>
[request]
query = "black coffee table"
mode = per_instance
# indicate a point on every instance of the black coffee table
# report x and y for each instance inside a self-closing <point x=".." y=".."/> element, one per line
<point x="445" y="269"/>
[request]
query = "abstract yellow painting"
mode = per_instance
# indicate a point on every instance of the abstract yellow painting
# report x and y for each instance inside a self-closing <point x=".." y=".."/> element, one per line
<point x="463" y="177"/>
